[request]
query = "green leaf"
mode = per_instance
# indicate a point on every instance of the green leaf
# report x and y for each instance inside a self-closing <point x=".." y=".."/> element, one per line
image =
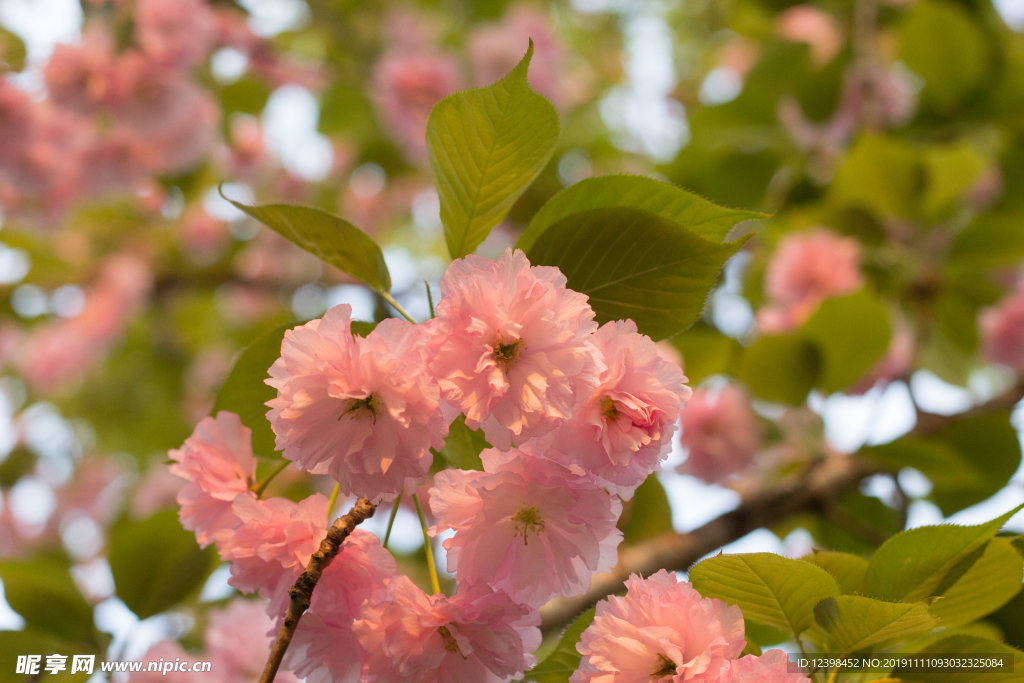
<point x="330" y="238"/>
<point x="649" y="513"/>
<point x="156" y="563"/>
<point x="693" y="212"/>
<point x="943" y="44"/>
<point x="771" y="590"/>
<point x="990" y="240"/>
<point x="882" y="175"/>
<point x="780" y="368"/>
<point x="463" y="446"/>
<point x="485" y="148"/>
<point x="967" y="646"/>
<point x="1010" y="620"/>
<point x="848" y="570"/>
<point x="32" y="642"/>
<point x="44" y="594"/>
<point x="926" y="561"/>
<point x="245" y="393"/>
<point x="12" y="51"/>
<point x="853" y="622"/>
<point x="635" y="264"/>
<point x="563" y="661"/>
<point x="706" y="352"/>
<point x="989" y="584"/>
<point x="852" y="334"/>
<point x="950" y="172"/>
<point x="967" y="463"/>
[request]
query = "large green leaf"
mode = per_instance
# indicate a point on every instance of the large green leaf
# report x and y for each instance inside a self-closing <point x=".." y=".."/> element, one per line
<point x="851" y="334"/>
<point x="950" y="172"/>
<point x="966" y="646"/>
<point x="847" y="569"/>
<point x="780" y="368"/>
<point x="990" y="583"/>
<point x="156" y="563"/>
<point x="854" y="622"/>
<point x="696" y="214"/>
<point x="635" y="264"/>
<point x="771" y="590"/>
<point x="1010" y="620"/>
<point x="943" y="44"/>
<point x="463" y="446"/>
<point x="485" y="147"/>
<point x="330" y="238"/>
<point x="44" y="594"/>
<point x="966" y="464"/>
<point x="244" y="392"/>
<point x="924" y="562"/>
<point x="563" y="661"/>
<point x="30" y="641"/>
<point x="649" y="513"/>
<point x="12" y="51"/>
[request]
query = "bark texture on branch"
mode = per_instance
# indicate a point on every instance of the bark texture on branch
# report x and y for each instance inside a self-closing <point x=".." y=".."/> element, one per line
<point x="815" y="490"/>
<point x="302" y="592"/>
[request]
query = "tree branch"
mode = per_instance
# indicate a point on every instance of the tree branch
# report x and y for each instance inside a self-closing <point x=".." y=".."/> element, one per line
<point x="815" y="490"/>
<point x="302" y="592"/>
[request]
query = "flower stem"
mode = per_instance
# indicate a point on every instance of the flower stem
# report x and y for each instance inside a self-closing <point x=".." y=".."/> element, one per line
<point x="262" y="484"/>
<point x="391" y="520"/>
<point x="332" y="501"/>
<point x="397" y="306"/>
<point x="427" y="547"/>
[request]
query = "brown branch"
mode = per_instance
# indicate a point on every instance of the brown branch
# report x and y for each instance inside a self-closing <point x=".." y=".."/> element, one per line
<point x="815" y="490"/>
<point x="302" y="592"/>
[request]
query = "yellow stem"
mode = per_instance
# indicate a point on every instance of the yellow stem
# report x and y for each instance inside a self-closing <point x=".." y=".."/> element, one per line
<point x="427" y="547"/>
<point x="259" y="487"/>
<point x="332" y="501"/>
<point x="398" y="307"/>
<point x="391" y="519"/>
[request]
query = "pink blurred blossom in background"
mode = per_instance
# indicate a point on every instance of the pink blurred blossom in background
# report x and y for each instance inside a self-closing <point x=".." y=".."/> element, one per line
<point x="806" y="269"/>
<point x="721" y="433"/>
<point x="1002" y="331"/>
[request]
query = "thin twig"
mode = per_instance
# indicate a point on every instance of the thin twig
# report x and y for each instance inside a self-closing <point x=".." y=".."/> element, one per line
<point x="427" y="546"/>
<point x="391" y="519"/>
<point x="391" y="300"/>
<point x="302" y="592"/>
<point x="259" y="487"/>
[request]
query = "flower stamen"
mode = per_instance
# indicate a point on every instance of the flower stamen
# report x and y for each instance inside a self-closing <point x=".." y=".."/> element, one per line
<point x="667" y="668"/>
<point x="449" y="641"/>
<point x="527" y="521"/>
<point x="507" y="353"/>
<point x="362" y="407"/>
<point x="608" y="409"/>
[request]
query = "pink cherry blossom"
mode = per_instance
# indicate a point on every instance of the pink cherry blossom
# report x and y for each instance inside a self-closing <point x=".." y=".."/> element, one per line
<point x="770" y="667"/>
<point x="238" y="640"/>
<point x="364" y="410"/>
<point x="1002" y="331"/>
<point x="721" y="433"/>
<point x="78" y="76"/>
<point x="620" y="433"/>
<point x="324" y="648"/>
<point x="406" y="85"/>
<point x="805" y="270"/>
<point x="176" y="32"/>
<point x="808" y="24"/>
<point x="496" y="48"/>
<point x="272" y="544"/>
<point x="168" y="651"/>
<point x="218" y="463"/>
<point x="511" y="346"/>
<point x="663" y="630"/>
<point x="526" y="526"/>
<point x="477" y="635"/>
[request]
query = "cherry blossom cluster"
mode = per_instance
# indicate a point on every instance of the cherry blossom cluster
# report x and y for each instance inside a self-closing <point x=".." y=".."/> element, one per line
<point x="115" y="116"/>
<point x="579" y="416"/>
<point x="663" y="630"/>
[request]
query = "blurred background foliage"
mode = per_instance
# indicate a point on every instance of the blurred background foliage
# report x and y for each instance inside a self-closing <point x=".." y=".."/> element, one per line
<point x="129" y="287"/>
